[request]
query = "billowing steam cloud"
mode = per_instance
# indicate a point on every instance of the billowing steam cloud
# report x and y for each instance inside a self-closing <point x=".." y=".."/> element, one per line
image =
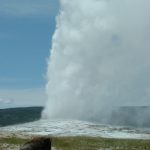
<point x="100" y="58"/>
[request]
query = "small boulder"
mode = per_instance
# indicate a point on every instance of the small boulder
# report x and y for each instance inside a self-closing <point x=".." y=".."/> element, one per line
<point x="42" y="143"/>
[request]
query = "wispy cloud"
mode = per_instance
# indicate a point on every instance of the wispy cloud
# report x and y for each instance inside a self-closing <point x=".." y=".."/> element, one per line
<point x="27" y="7"/>
<point x="6" y="101"/>
<point x="22" y="97"/>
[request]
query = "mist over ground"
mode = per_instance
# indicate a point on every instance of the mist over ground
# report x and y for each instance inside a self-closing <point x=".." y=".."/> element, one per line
<point x="99" y="59"/>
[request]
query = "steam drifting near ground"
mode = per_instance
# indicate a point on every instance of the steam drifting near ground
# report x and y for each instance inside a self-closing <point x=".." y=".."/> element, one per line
<point x="99" y="58"/>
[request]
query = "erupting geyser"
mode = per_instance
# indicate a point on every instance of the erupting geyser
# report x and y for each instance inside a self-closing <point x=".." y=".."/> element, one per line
<point x="99" y="58"/>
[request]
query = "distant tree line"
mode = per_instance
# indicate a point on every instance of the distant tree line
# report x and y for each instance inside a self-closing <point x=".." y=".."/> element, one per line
<point x="13" y="116"/>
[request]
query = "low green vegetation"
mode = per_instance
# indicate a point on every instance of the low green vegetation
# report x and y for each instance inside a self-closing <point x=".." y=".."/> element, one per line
<point x="91" y="143"/>
<point x="87" y="143"/>
<point x="12" y="140"/>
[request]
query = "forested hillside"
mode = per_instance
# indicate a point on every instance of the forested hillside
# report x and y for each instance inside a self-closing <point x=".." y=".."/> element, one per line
<point x="13" y="116"/>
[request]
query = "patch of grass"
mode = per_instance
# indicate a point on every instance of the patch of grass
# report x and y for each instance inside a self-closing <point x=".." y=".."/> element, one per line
<point x="87" y="143"/>
<point x="12" y="140"/>
<point x="95" y="143"/>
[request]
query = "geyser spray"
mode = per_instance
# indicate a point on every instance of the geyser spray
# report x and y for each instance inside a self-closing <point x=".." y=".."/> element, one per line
<point x="99" y="58"/>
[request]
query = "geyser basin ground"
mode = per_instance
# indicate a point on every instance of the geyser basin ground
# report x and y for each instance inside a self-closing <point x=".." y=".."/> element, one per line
<point x="76" y="128"/>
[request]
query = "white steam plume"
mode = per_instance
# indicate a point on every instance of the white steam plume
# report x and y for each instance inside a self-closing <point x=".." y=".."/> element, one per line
<point x="100" y="58"/>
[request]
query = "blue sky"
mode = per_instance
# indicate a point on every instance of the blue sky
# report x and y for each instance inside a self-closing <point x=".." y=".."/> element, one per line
<point x="26" y="29"/>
